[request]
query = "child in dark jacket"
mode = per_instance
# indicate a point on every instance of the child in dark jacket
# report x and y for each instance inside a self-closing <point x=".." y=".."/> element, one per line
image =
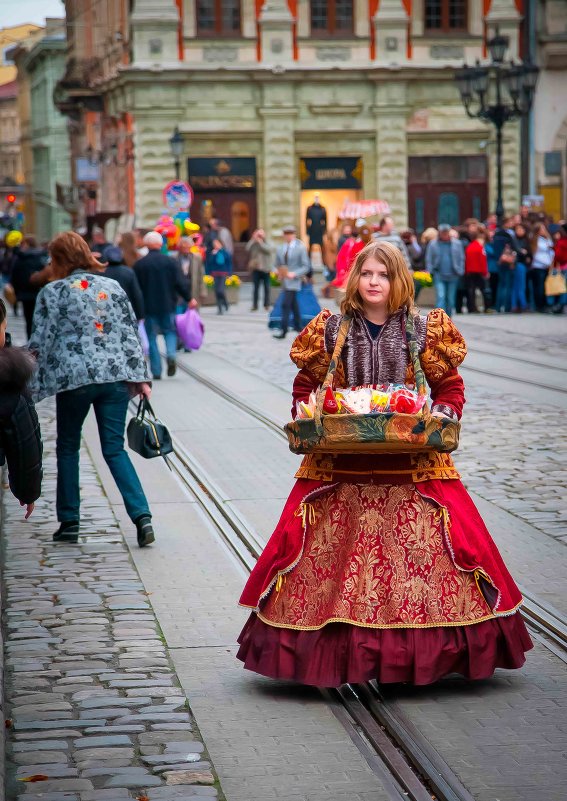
<point x="20" y="435"/>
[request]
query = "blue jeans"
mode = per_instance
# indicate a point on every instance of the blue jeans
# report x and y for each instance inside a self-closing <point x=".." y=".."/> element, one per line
<point x="446" y="292"/>
<point x="505" y="284"/>
<point x="518" y="300"/>
<point x="110" y="402"/>
<point x="164" y="324"/>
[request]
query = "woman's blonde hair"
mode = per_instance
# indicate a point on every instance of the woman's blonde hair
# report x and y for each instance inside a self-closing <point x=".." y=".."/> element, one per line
<point x="401" y="281"/>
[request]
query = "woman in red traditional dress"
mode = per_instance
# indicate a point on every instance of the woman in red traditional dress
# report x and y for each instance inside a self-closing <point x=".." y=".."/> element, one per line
<point x="381" y="566"/>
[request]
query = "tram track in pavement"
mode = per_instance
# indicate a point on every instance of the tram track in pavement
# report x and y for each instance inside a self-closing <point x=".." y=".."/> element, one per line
<point x="399" y="755"/>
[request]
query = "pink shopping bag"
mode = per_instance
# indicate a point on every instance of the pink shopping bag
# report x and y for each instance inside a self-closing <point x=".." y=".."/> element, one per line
<point x="190" y="329"/>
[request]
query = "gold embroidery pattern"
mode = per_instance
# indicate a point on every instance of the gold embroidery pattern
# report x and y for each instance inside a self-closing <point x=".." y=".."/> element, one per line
<point x="374" y="556"/>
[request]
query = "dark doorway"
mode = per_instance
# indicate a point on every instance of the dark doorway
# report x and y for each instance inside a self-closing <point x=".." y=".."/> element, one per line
<point x="446" y="189"/>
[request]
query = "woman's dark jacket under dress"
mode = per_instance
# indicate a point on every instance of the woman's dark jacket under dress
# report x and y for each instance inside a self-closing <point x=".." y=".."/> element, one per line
<point x="366" y="540"/>
<point x="20" y="435"/>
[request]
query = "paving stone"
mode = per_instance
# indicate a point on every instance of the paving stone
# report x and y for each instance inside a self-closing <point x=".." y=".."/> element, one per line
<point x="178" y="756"/>
<point x="40" y="745"/>
<point x="105" y="700"/>
<point x="38" y="757"/>
<point x="42" y="735"/>
<point x="32" y="795"/>
<point x="86" y="764"/>
<point x="119" y="752"/>
<point x="176" y="746"/>
<point x="118" y="794"/>
<point x="108" y="713"/>
<point x="115" y="729"/>
<point x="185" y="738"/>
<point x="26" y="725"/>
<point x="154" y="717"/>
<point x="53" y="771"/>
<point x="162" y="709"/>
<point x="180" y="793"/>
<point x="132" y="683"/>
<point x="189" y="777"/>
<point x="181" y="765"/>
<point x="103" y="742"/>
<point x="170" y="726"/>
<point x="141" y="781"/>
<point x="127" y="773"/>
<point x="58" y="786"/>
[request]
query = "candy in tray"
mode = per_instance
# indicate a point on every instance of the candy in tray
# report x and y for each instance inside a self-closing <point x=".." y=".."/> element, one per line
<point x="375" y="399"/>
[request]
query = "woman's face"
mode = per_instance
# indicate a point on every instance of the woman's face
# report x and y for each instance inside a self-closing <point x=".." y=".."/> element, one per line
<point x="374" y="284"/>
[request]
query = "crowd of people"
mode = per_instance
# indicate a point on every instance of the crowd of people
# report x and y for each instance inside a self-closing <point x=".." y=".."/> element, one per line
<point x="478" y="265"/>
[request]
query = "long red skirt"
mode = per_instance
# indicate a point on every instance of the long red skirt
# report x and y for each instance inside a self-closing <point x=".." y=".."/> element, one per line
<point x="372" y="589"/>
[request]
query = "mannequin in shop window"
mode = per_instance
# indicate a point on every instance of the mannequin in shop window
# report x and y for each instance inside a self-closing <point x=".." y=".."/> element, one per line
<point x="316" y="222"/>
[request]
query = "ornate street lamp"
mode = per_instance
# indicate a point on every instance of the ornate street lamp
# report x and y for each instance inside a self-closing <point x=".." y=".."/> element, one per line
<point x="486" y="99"/>
<point x="176" y="146"/>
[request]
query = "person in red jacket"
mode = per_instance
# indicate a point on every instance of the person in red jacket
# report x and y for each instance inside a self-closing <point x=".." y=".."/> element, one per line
<point x="561" y="249"/>
<point x="476" y="269"/>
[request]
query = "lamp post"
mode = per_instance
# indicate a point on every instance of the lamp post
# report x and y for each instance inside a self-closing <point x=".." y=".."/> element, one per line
<point x="176" y="146"/>
<point x="482" y="88"/>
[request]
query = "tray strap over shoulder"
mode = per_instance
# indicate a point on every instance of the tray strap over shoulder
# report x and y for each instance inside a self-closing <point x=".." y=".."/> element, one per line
<point x="342" y="334"/>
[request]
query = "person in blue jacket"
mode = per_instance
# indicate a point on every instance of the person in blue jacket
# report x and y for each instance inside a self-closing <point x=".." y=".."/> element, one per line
<point x="219" y="265"/>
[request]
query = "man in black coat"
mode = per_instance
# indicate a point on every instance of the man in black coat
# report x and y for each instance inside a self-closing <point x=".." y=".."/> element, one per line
<point x="29" y="259"/>
<point x="20" y="436"/>
<point x="125" y="276"/>
<point x="161" y="281"/>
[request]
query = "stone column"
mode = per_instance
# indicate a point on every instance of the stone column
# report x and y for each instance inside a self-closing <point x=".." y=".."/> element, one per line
<point x="391" y="32"/>
<point x="155" y="25"/>
<point x="391" y="112"/>
<point x="505" y="16"/>
<point x="279" y="201"/>
<point x="276" y="34"/>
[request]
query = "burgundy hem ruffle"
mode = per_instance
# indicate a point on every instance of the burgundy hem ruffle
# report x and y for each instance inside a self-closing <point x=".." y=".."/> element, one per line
<point x="342" y="653"/>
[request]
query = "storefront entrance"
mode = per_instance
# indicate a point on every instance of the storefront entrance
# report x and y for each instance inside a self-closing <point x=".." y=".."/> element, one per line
<point x="446" y="189"/>
<point x="333" y="180"/>
<point x="225" y="187"/>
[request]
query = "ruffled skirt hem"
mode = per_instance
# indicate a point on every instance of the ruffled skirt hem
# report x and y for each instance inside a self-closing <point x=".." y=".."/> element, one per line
<point x="342" y="653"/>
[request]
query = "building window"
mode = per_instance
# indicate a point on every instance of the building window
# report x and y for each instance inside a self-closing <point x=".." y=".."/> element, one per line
<point x="218" y="17"/>
<point x="444" y="16"/>
<point x="332" y="17"/>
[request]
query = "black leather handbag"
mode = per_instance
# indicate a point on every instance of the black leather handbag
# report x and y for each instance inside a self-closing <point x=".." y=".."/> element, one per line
<point x="147" y="435"/>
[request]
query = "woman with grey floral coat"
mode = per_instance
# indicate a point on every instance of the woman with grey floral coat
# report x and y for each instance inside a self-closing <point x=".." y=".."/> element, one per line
<point x="88" y="353"/>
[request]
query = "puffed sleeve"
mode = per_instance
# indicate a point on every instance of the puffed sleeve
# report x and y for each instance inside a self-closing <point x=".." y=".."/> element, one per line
<point x="309" y="353"/>
<point x="444" y="351"/>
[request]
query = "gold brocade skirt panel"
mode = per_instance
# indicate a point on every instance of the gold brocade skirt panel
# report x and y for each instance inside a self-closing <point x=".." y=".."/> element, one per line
<point x="374" y="555"/>
<point x="401" y="468"/>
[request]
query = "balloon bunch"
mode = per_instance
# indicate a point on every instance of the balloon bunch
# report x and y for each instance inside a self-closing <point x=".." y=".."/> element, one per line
<point x="173" y="228"/>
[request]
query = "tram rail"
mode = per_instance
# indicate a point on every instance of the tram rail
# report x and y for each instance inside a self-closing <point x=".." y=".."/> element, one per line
<point x="406" y="764"/>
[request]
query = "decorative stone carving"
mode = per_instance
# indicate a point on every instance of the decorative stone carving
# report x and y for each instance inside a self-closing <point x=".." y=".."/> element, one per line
<point x="333" y="53"/>
<point x="154" y="21"/>
<point x="220" y="53"/>
<point x="391" y="32"/>
<point x="447" y="52"/>
<point x="276" y="33"/>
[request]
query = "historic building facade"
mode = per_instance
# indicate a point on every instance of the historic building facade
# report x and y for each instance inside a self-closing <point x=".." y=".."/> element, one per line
<point x="277" y="101"/>
<point x="40" y="62"/>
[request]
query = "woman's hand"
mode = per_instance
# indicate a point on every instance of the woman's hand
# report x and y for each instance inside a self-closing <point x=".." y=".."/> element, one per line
<point x="193" y="304"/>
<point x="145" y="391"/>
<point x="29" y="509"/>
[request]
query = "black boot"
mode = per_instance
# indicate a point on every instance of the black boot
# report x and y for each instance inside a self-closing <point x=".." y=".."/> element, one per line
<point x="68" y="531"/>
<point x="145" y="530"/>
<point x="171" y="367"/>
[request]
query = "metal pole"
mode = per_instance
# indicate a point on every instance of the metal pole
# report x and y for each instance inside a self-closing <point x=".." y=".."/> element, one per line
<point x="177" y="169"/>
<point x="499" y="200"/>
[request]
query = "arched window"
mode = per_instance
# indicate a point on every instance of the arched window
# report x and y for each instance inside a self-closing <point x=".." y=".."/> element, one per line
<point x="446" y="16"/>
<point x="218" y="17"/>
<point x="332" y="18"/>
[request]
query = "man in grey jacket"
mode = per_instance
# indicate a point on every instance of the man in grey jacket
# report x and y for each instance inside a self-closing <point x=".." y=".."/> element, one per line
<point x="445" y="260"/>
<point x="386" y="233"/>
<point x="292" y="261"/>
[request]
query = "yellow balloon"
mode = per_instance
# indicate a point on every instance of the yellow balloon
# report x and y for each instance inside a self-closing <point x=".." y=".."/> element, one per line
<point x="14" y="238"/>
<point x="191" y="227"/>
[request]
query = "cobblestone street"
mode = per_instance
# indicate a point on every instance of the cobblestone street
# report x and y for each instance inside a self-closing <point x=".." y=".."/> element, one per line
<point x="96" y="711"/>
